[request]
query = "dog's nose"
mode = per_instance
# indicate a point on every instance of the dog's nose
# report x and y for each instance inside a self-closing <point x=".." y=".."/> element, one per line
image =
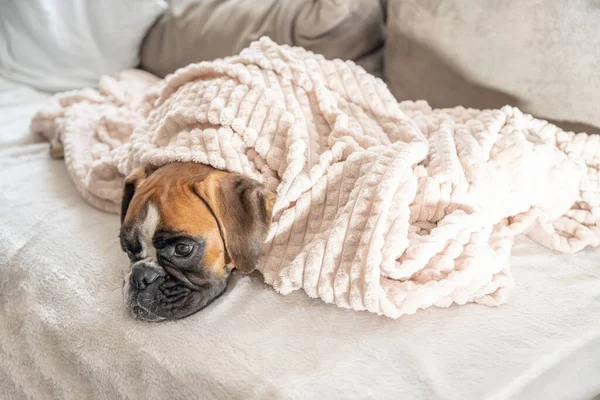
<point x="142" y="276"/>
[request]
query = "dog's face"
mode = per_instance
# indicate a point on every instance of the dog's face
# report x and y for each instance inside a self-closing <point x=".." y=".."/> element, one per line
<point x="185" y="226"/>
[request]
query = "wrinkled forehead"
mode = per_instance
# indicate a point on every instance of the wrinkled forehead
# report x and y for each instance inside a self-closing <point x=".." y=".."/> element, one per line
<point x="169" y="205"/>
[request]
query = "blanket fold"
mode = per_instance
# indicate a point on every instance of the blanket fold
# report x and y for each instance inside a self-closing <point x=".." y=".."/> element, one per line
<point x="381" y="206"/>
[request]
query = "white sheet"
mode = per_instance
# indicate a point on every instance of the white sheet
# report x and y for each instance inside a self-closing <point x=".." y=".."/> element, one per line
<point x="65" y="334"/>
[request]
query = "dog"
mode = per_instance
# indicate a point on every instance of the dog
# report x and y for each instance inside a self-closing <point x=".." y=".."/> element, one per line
<point x="185" y="227"/>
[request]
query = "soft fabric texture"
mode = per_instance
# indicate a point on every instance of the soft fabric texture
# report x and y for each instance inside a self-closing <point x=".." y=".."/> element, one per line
<point x="542" y="56"/>
<point x="192" y="31"/>
<point x="61" y="45"/>
<point x="66" y="335"/>
<point x="381" y="207"/>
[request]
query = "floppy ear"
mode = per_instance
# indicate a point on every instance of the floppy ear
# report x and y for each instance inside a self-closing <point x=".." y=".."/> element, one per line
<point x="131" y="183"/>
<point x="243" y="208"/>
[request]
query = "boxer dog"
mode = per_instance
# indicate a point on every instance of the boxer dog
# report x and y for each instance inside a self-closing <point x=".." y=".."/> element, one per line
<point x="185" y="227"/>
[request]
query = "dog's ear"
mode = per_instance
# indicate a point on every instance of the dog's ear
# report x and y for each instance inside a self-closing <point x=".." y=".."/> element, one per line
<point x="243" y="209"/>
<point x="132" y="181"/>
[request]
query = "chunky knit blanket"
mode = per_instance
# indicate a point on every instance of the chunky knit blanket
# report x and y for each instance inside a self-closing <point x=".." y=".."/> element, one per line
<point x="381" y="206"/>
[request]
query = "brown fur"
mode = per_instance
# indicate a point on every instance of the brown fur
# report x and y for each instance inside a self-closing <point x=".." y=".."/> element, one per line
<point x="232" y="213"/>
<point x="243" y="208"/>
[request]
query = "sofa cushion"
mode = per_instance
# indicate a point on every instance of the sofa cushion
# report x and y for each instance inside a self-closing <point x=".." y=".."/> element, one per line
<point x="542" y="56"/>
<point x="69" y="44"/>
<point x="194" y="31"/>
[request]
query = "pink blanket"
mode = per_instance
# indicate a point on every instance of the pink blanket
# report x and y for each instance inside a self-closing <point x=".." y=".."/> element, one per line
<point x="381" y="206"/>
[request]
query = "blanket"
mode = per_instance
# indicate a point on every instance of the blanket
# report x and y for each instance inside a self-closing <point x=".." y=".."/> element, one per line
<point x="381" y="206"/>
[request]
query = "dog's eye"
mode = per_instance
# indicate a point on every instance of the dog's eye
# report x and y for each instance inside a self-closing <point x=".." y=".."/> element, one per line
<point x="183" y="250"/>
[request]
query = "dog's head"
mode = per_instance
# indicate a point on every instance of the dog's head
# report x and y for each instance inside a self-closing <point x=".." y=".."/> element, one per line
<point x="185" y="226"/>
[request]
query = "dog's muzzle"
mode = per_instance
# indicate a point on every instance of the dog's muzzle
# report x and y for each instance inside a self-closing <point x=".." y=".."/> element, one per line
<point x="152" y="294"/>
<point x="139" y="288"/>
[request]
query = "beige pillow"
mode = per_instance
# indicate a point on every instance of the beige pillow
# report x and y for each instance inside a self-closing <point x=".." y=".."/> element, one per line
<point x="542" y="56"/>
<point x="194" y="31"/>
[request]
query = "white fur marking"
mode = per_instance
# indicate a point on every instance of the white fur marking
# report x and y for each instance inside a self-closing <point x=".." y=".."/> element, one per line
<point x="149" y="227"/>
